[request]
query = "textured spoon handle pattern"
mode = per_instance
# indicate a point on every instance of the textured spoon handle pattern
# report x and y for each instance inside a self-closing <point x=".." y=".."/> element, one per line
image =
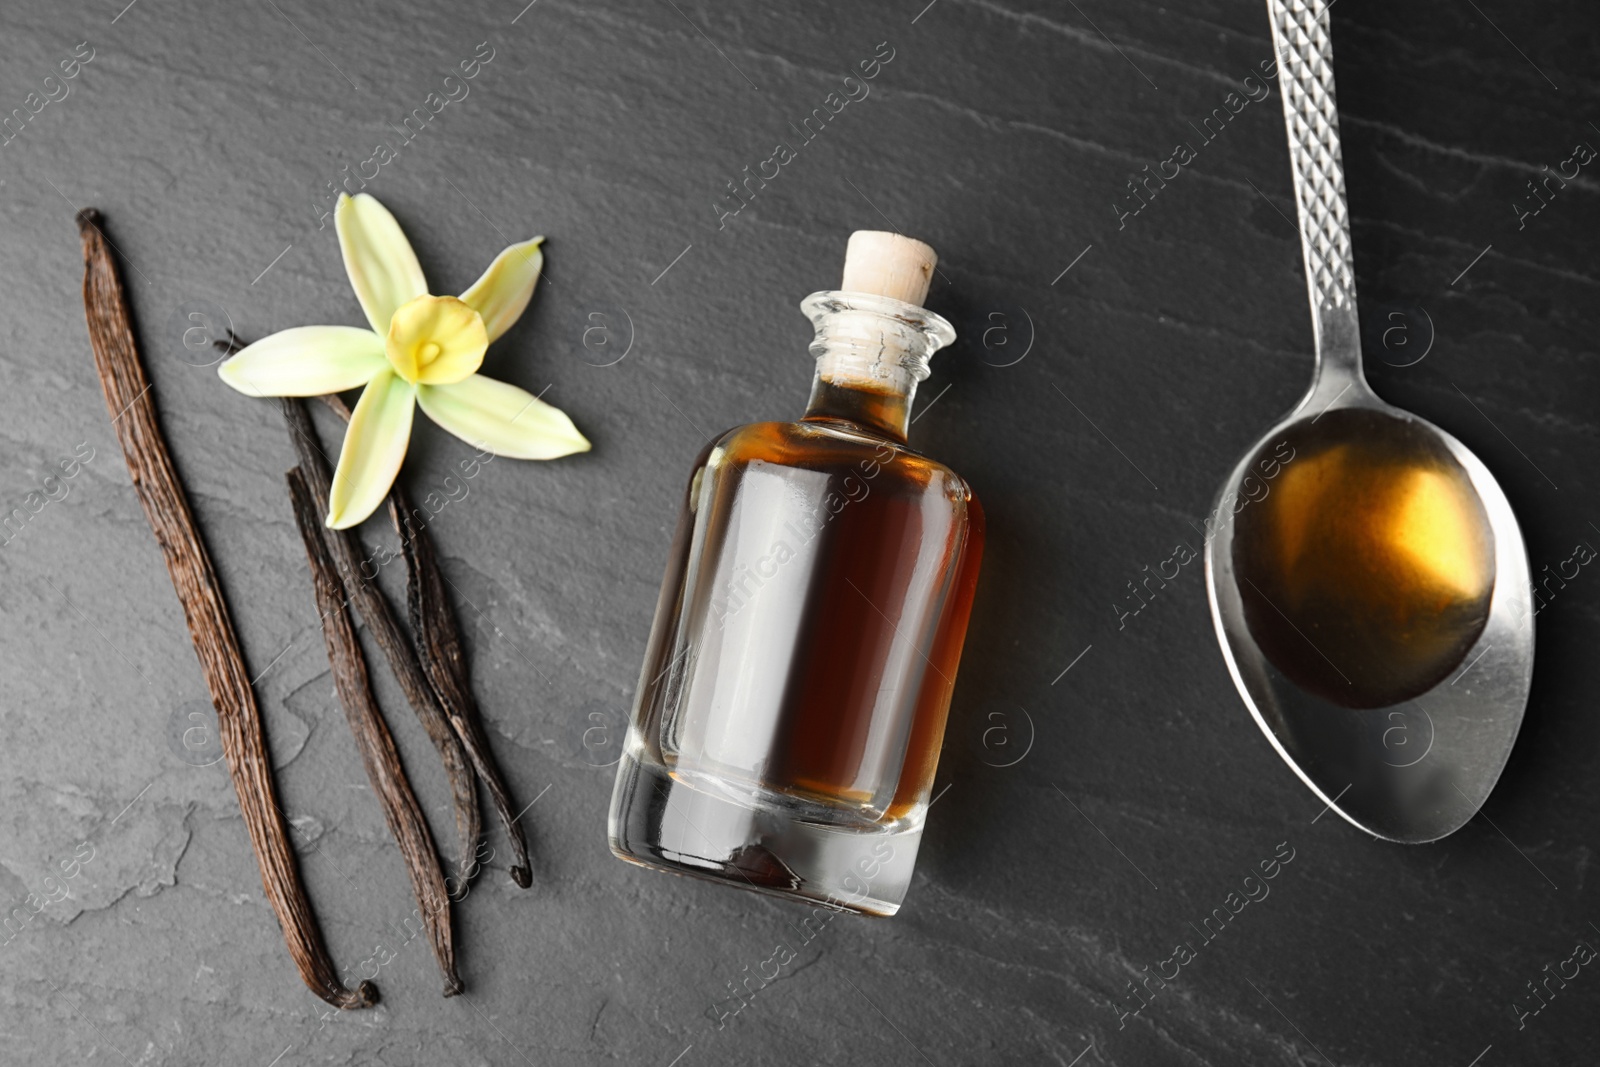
<point x="1305" y="64"/>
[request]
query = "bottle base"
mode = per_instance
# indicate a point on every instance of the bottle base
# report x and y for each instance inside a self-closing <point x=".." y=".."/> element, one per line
<point x="760" y="842"/>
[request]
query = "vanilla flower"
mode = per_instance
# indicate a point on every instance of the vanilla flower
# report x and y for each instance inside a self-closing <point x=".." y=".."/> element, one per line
<point x="422" y="351"/>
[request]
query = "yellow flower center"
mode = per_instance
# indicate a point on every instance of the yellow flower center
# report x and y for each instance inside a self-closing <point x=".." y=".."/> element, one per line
<point x="436" y="340"/>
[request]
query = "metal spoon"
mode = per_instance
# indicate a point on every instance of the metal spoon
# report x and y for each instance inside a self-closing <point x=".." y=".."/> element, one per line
<point x="1366" y="575"/>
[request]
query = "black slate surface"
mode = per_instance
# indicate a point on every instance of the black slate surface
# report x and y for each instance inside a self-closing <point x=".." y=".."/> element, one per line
<point x="1086" y="819"/>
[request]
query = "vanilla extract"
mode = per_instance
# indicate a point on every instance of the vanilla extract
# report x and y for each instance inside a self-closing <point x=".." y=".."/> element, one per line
<point x="793" y="698"/>
<point x="1366" y="575"/>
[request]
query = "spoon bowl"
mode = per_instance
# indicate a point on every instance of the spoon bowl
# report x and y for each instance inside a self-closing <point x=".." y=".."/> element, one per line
<point x="1391" y="679"/>
<point x="1366" y="574"/>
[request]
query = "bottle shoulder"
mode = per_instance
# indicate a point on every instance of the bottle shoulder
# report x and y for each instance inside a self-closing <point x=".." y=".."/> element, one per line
<point x="822" y="446"/>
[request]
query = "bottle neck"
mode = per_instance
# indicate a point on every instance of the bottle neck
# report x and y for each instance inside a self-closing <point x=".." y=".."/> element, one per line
<point x="871" y="352"/>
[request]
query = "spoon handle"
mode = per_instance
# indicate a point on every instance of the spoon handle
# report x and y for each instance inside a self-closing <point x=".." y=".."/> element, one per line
<point x="1305" y="61"/>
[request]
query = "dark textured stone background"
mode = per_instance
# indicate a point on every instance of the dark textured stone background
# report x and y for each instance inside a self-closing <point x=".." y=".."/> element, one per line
<point x="1001" y="132"/>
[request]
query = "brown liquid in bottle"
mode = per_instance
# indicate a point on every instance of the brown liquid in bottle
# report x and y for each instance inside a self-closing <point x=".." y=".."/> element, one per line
<point x="835" y="576"/>
<point x="793" y="698"/>
<point x="1367" y="569"/>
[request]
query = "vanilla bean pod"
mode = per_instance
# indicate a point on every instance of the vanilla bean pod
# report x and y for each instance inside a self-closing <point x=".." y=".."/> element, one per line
<point x="385" y="628"/>
<point x="155" y="481"/>
<point x="391" y="638"/>
<point x="378" y="754"/>
<point x="433" y="621"/>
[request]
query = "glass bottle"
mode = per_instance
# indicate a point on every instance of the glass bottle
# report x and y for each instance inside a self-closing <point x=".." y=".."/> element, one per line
<point x="793" y="697"/>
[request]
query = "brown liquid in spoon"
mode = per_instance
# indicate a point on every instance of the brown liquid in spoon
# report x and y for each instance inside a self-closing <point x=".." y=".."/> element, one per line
<point x="1366" y="572"/>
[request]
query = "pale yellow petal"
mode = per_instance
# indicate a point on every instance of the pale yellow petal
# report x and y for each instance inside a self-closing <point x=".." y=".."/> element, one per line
<point x="383" y="269"/>
<point x="503" y="292"/>
<point x="501" y="418"/>
<point x="374" y="446"/>
<point x="436" y="340"/>
<point x="306" y="361"/>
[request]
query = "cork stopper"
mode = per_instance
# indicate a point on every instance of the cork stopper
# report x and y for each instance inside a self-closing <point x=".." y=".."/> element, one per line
<point x="887" y="264"/>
